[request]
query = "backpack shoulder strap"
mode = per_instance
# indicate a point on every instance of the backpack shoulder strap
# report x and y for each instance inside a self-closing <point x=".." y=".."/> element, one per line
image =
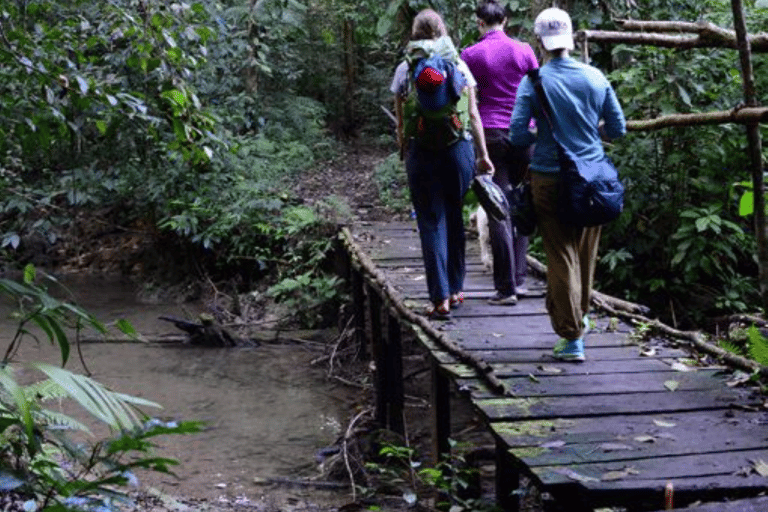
<point x="546" y="108"/>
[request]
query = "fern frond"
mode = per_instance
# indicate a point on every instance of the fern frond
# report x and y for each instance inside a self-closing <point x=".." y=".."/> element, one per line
<point x="758" y="346"/>
<point x="56" y="420"/>
<point x="45" y="390"/>
<point x="731" y="347"/>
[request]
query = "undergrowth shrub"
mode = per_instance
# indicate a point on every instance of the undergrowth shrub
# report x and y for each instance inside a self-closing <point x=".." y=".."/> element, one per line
<point x="392" y="183"/>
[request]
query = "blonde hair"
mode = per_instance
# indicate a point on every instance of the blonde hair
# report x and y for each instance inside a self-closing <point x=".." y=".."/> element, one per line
<point x="428" y="24"/>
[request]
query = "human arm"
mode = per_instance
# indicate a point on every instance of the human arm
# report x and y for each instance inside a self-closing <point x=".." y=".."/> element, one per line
<point x="615" y="125"/>
<point x="484" y="164"/>
<point x="519" y="132"/>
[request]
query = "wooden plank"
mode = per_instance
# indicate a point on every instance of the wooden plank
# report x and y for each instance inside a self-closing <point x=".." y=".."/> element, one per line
<point x="685" y="471"/>
<point x="496" y="409"/>
<point x="596" y="446"/>
<point x="730" y="424"/>
<point x="591" y="384"/>
<point x="520" y="321"/>
<point x="596" y="356"/>
<point x="759" y="504"/>
<point x="545" y="368"/>
<point x="506" y="340"/>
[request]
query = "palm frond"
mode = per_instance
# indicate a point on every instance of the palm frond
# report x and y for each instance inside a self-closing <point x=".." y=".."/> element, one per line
<point x="110" y="407"/>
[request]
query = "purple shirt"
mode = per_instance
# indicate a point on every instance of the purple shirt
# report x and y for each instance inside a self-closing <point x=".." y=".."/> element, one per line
<point x="498" y="63"/>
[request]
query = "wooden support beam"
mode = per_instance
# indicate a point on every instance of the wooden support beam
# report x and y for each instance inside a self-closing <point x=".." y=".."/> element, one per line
<point x="358" y="310"/>
<point x="394" y="358"/>
<point x="683" y="41"/>
<point x="507" y="479"/>
<point x="744" y="115"/>
<point x="379" y="358"/>
<point x="441" y="411"/>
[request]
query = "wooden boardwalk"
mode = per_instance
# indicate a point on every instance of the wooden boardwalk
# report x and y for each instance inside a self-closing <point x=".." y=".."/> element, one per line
<point x="633" y="422"/>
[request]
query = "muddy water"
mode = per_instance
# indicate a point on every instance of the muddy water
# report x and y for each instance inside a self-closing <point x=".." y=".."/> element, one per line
<point x="267" y="410"/>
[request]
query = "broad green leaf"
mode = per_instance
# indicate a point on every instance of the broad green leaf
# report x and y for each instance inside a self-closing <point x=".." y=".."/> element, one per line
<point x="747" y="204"/>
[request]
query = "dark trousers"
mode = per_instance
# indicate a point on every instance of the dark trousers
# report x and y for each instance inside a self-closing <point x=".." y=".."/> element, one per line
<point x="438" y="182"/>
<point x="507" y="248"/>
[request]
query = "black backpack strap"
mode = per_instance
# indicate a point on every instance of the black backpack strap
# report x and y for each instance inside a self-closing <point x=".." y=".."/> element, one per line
<point x="535" y="78"/>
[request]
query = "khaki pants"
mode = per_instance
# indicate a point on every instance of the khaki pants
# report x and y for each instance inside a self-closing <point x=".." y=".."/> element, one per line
<point x="571" y="258"/>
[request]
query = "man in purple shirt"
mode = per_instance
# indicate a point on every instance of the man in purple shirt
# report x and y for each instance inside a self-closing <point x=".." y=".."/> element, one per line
<point x="498" y="63"/>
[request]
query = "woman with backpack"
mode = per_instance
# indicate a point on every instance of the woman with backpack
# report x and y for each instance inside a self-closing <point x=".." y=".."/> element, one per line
<point x="436" y="109"/>
<point x="580" y="98"/>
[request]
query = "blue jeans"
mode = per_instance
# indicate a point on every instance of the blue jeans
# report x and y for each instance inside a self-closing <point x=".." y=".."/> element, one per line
<point x="438" y="182"/>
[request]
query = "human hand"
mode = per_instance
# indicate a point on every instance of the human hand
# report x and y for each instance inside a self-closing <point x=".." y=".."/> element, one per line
<point x="484" y="166"/>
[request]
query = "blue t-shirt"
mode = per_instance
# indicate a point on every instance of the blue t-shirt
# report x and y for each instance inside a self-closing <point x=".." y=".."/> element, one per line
<point x="580" y="97"/>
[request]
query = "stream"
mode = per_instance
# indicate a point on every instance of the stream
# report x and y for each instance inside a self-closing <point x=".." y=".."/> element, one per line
<point x="267" y="410"/>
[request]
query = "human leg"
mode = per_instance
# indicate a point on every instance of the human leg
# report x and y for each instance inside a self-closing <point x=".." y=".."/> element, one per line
<point x="501" y="231"/>
<point x="521" y="157"/>
<point x="561" y="245"/>
<point x="429" y="204"/>
<point x="588" y="247"/>
<point x="458" y="170"/>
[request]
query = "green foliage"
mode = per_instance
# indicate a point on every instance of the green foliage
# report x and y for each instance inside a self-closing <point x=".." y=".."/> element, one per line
<point x="38" y="459"/>
<point x="392" y="182"/>
<point x="400" y="473"/>
<point x="758" y="345"/>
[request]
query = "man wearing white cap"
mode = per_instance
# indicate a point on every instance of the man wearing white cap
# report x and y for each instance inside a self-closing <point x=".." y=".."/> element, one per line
<point x="580" y="98"/>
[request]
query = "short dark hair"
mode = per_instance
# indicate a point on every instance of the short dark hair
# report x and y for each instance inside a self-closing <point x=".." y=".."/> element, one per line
<point x="491" y="12"/>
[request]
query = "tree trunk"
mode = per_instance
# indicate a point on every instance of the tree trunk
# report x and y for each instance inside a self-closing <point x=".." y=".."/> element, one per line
<point x="350" y="74"/>
<point x="755" y="149"/>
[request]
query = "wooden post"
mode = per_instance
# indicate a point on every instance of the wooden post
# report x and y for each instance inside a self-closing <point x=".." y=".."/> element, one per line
<point x="358" y="310"/>
<point x="441" y="412"/>
<point x="507" y="480"/>
<point x="755" y="148"/>
<point x="379" y="358"/>
<point x="394" y="357"/>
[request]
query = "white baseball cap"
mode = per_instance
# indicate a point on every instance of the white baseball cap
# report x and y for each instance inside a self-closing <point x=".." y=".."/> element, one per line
<point x="554" y="27"/>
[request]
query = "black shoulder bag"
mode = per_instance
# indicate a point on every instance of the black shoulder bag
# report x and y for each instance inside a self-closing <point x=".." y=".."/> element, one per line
<point x="590" y="192"/>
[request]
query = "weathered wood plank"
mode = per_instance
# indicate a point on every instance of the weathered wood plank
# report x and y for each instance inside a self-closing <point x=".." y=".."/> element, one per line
<point x="662" y="402"/>
<point x="590" y="384"/>
<point x="725" y="424"/>
<point x="684" y="470"/>
<point x="596" y="356"/>
<point x="546" y="368"/>
<point x="746" y="505"/>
